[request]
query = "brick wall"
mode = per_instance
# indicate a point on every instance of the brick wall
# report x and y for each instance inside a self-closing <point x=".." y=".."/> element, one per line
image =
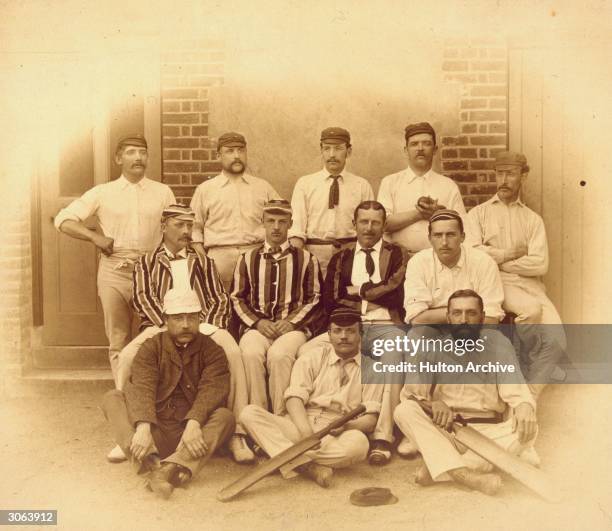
<point x="188" y="70"/>
<point x="480" y="67"/>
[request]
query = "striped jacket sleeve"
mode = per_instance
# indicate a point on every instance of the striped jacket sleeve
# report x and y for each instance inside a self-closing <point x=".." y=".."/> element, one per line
<point x="241" y="293"/>
<point x="334" y="289"/>
<point x="389" y="292"/>
<point x="311" y="291"/>
<point x="215" y="301"/>
<point x="146" y="303"/>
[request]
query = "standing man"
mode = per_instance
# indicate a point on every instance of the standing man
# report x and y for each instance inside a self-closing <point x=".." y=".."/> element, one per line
<point x="412" y="195"/>
<point x="229" y="208"/>
<point x="276" y="295"/>
<point x="514" y="236"/>
<point x="433" y="275"/>
<point x="173" y="406"/>
<point x="174" y="265"/>
<point x="325" y="384"/>
<point x="128" y="211"/>
<point x="323" y="203"/>
<point x="481" y="399"/>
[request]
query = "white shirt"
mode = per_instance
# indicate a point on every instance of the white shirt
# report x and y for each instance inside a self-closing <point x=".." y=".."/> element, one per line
<point x="229" y="211"/>
<point x="179" y="269"/>
<point x="495" y="228"/>
<point x="312" y="217"/>
<point x="359" y="276"/>
<point x="429" y="283"/>
<point x="400" y="192"/>
<point x="128" y="213"/>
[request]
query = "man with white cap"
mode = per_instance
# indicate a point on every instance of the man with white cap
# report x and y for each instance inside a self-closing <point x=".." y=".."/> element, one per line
<point x="275" y="294"/>
<point x="171" y="418"/>
<point x="228" y="208"/>
<point x="128" y="211"/>
<point x="175" y="265"/>
<point x="323" y="203"/>
<point x="515" y="237"/>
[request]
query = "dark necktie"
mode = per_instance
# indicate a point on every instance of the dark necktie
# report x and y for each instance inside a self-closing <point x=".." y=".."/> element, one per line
<point x="369" y="262"/>
<point x="272" y="252"/>
<point x="334" y="191"/>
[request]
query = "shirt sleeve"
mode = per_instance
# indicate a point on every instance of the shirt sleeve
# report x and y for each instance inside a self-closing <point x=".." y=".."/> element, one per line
<point x="80" y="209"/>
<point x="456" y="201"/>
<point x="417" y="295"/>
<point x="300" y="213"/>
<point x="473" y="236"/>
<point x="197" y="205"/>
<point x="535" y="262"/>
<point x="303" y="375"/>
<point x="489" y="287"/>
<point x="384" y="196"/>
<point x="371" y="397"/>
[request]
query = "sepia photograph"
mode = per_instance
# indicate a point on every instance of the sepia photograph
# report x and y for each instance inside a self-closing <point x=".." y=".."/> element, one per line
<point x="287" y="265"/>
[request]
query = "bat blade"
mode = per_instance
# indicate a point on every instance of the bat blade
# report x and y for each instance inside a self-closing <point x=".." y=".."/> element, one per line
<point x="531" y="477"/>
<point x="261" y="471"/>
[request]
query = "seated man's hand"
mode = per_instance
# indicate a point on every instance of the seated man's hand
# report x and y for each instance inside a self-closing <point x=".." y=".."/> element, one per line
<point x="524" y="422"/>
<point x="284" y="327"/>
<point x="142" y="441"/>
<point x="192" y="439"/>
<point x="442" y="415"/>
<point x="267" y="328"/>
<point x="353" y="290"/>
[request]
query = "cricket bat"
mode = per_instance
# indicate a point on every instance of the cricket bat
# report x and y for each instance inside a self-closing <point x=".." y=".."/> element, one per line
<point x="523" y="472"/>
<point x="243" y="483"/>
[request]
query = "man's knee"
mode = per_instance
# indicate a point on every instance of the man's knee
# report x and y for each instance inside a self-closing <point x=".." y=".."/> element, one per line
<point x="249" y="415"/>
<point x="280" y="355"/>
<point x="224" y="417"/>
<point x="111" y="400"/>
<point x="406" y="411"/>
<point x="356" y="444"/>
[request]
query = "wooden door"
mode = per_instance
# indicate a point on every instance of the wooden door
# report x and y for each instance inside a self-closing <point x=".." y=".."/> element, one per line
<point x="559" y="116"/>
<point x="94" y="103"/>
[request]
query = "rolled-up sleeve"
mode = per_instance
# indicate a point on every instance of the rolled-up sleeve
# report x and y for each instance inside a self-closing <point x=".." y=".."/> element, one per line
<point x="302" y="379"/>
<point x="490" y="287"/>
<point x="80" y="209"/>
<point x="417" y="295"/>
<point x="371" y="396"/>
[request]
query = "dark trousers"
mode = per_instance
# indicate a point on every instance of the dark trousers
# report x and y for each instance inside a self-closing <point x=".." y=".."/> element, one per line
<point x="168" y="432"/>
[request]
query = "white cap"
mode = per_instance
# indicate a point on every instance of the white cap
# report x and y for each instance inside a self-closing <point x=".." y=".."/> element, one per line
<point x="181" y="301"/>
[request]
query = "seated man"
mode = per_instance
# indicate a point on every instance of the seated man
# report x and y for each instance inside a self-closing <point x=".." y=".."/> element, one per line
<point x="275" y="293"/>
<point x="172" y="407"/>
<point x="325" y="384"/>
<point x="175" y="265"/>
<point x="515" y="237"/>
<point x="481" y="398"/>
<point x="432" y="275"/>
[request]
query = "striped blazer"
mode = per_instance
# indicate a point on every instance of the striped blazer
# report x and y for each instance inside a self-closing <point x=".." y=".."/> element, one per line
<point x="286" y="288"/>
<point x="389" y="292"/>
<point x="153" y="278"/>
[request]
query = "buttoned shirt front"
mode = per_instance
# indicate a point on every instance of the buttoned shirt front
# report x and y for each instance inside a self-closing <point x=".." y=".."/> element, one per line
<point x="229" y="210"/>
<point x="312" y="217"/>
<point x="429" y="283"/>
<point x="496" y="227"/>
<point x="400" y="192"/>
<point x="326" y="383"/>
<point x="129" y="213"/>
<point x="359" y="276"/>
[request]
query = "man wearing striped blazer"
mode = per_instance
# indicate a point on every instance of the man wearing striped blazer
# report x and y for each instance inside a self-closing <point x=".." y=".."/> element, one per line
<point x="275" y="293"/>
<point x="174" y="264"/>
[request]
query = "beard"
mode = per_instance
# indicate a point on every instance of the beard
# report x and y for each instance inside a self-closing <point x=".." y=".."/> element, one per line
<point x="466" y="331"/>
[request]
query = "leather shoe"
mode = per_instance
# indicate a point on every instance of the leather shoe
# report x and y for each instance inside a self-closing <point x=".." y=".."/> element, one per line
<point x="485" y="483"/>
<point x="240" y="450"/>
<point x="116" y="455"/>
<point x="320" y="474"/>
<point x="407" y="449"/>
<point x="163" y="480"/>
<point x="380" y="453"/>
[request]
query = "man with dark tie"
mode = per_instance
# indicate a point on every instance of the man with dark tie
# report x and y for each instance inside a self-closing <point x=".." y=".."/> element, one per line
<point x="323" y="202"/>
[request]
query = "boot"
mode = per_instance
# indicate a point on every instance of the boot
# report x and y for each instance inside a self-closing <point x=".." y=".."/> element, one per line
<point x="320" y="474"/>
<point x="485" y="483"/>
<point x="163" y="480"/>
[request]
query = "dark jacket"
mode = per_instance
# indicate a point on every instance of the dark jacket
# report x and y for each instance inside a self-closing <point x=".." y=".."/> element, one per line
<point x="201" y="371"/>
<point x="389" y="292"/>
